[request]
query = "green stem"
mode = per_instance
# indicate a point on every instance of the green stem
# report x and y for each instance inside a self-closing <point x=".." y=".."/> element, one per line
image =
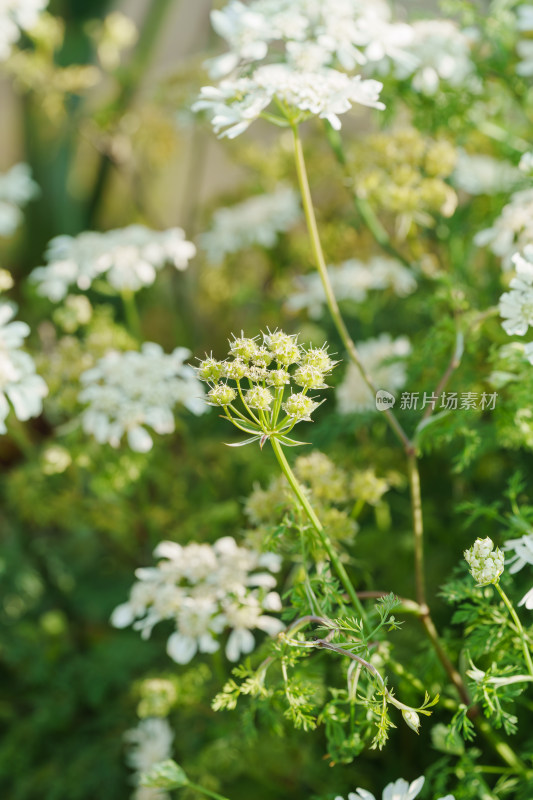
<point x="503" y="750"/>
<point x="205" y="791"/>
<point x="324" y="538"/>
<point x="331" y="300"/>
<point x="516" y="620"/>
<point x="131" y="312"/>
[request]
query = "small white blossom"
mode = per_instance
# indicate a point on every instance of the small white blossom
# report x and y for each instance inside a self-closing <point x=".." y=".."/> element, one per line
<point x="148" y="744"/>
<point x="486" y="563"/>
<point x="351" y="280"/>
<point x="128" y="391"/>
<point x="399" y="790"/>
<point x="17" y="16"/>
<point x="19" y="383"/>
<point x="205" y="589"/>
<point x="526" y="163"/>
<point x="16" y="189"/>
<point x="516" y="306"/>
<point x="512" y="230"/>
<point x="522" y="550"/>
<point x="482" y="174"/>
<point x="380" y="358"/>
<point x="257" y="221"/>
<point x="129" y="258"/>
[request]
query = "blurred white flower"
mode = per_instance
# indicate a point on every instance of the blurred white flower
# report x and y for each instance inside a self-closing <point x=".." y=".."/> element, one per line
<point x="516" y="306"/>
<point x="399" y="790"/>
<point x="17" y="16"/>
<point x="19" y="383"/>
<point x="16" y="189"/>
<point x="148" y="744"/>
<point x="351" y="280"/>
<point x="205" y="589"/>
<point x="522" y="552"/>
<point x="129" y="258"/>
<point x="257" y="221"/>
<point x="482" y="174"/>
<point x="128" y="391"/>
<point x="512" y="230"/>
<point x="380" y="358"/>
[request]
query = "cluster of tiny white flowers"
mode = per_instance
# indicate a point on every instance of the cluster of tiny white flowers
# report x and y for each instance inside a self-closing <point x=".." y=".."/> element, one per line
<point x="148" y="744"/>
<point x="127" y="391"/>
<point x="486" y="562"/>
<point x="205" y="589"/>
<point x="257" y="221"/>
<point x="516" y="305"/>
<point x="522" y="554"/>
<point x="353" y="395"/>
<point x="481" y="174"/>
<point x="512" y="230"/>
<point x="352" y="280"/>
<point x="19" y="383"/>
<point x="16" y="189"/>
<point x="129" y="258"/>
<point x="17" y="16"/>
<point x="399" y="790"/>
<point x="524" y="47"/>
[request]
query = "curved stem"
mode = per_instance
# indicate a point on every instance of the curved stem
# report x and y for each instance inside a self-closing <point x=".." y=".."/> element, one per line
<point x="521" y="632"/>
<point x="331" y="300"/>
<point x="317" y="525"/>
<point x="207" y="792"/>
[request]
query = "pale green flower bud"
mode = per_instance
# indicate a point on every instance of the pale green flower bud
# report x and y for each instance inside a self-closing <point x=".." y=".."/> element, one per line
<point x="235" y="369"/>
<point x="259" y="397"/>
<point x="486" y="563"/>
<point x="278" y="377"/>
<point x="243" y="348"/>
<point x="309" y="377"/>
<point x="165" y="775"/>
<point x="257" y="374"/>
<point x="283" y="347"/>
<point x="299" y="406"/>
<point x="262" y="358"/>
<point x="318" y="358"/>
<point x="221" y="395"/>
<point x="412" y="719"/>
<point x="210" y="370"/>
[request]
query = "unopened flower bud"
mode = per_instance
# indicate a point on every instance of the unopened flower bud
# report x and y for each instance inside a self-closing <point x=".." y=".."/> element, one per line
<point x="236" y="369"/>
<point x="486" y="563"/>
<point x="299" y="406"/>
<point x="165" y="775"/>
<point x="221" y="395"/>
<point x="259" y="397"/>
<point x="243" y="348"/>
<point x="283" y="347"/>
<point x="309" y="377"/>
<point x="262" y="357"/>
<point x="412" y="719"/>
<point x="278" y="377"/>
<point x="210" y="370"/>
<point x="318" y="358"/>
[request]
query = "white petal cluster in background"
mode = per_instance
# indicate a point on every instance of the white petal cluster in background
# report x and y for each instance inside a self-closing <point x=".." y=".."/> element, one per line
<point x="399" y="790"/>
<point x="148" y="744"/>
<point x="205" y="589"/>
<point x="481" y="174"/>
<point x="128" y="392"/>
<point x="512" y="230"/>
<point x="381" y="360"/>
<point x="351" y="280"/>
<point x="19" y="383"/>
<point x="516" y="305"/>
<point x="128" y="258"/>
<point x="257" y="221"/>
<point x="524" y="47"/>
<point x="17" y="16"/>
<point x="16" y="189"/>
<point x="522" y="554"/>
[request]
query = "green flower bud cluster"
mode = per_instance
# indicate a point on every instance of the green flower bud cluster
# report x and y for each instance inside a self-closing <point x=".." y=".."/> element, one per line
<point x="267" y="375"/>
<point x="486" y="562"/>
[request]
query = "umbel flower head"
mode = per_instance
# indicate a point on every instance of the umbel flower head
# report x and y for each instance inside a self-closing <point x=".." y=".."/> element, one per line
<point x="270" y="376"/>
<point x="485" y="562"/>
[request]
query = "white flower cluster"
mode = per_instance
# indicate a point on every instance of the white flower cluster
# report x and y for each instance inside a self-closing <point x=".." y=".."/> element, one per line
<point x="128" y="257"/>
<point x="486" y="563"/>
<point x="17" y="16"/>
<point x="352" y="280"/>
<point x="399" y="790"/>
<point x="522" y="550"/>
<point x="516" y="305"/>
<point x="257" y="221"/>
<point x="512" y="230"/>
<point x="380" y="358"/>
<point x="524" y="47"/>
<point x="127" y="391"/>
<point x="19" y="382"/>
<point x="481" y="174"/>
<point x="16" y="189"/>
<point x="148" y="744"/>
<point x="205" y="589"/>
